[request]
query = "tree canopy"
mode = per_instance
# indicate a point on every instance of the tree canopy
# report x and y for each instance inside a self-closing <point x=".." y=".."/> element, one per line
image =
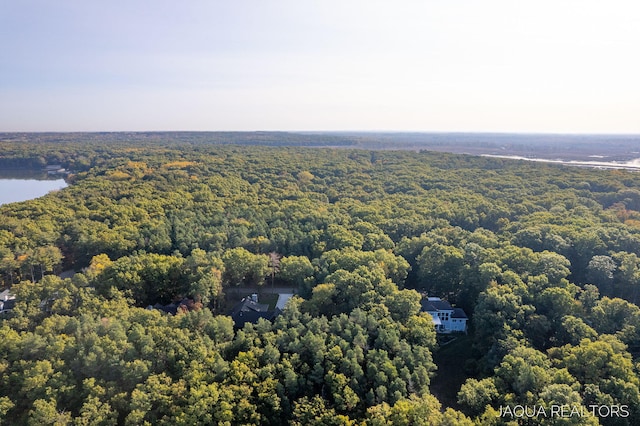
<point x="543" y="259"/>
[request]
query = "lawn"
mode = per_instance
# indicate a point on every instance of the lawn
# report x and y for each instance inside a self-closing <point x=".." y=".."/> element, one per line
<point x="451" y="358"/>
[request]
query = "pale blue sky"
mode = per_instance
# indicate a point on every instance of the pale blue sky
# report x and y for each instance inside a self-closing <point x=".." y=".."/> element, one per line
<point x="450" y="65"/>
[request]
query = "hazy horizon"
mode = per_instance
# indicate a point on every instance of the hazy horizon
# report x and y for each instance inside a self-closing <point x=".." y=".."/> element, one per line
<point x="498" y="66"/>
<point x="336" y="131"/>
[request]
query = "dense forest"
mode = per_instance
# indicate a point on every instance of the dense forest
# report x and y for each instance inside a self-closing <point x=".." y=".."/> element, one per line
<point x="543" y="259"/>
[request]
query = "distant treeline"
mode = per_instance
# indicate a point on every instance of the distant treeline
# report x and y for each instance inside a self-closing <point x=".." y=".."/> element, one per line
<point x="549" y="146"/>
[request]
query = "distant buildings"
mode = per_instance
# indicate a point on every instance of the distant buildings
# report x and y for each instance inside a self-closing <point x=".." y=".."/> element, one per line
<point x="446" y="318"/>
<point x="184" y="305"/>
<point x="56" y="169"/>
<point x="248" y="310"/>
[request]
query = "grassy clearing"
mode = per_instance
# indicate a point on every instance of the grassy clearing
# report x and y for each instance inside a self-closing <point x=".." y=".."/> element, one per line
<point x="270" y="299"/>
<point x="451" y="359"/>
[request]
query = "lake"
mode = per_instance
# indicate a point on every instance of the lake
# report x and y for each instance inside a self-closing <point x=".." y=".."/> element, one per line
<point x="20" y="185"/>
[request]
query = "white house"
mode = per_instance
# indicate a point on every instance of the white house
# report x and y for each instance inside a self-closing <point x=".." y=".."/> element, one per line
<point x="446" y="318"/>
<point x="7" y="301"/>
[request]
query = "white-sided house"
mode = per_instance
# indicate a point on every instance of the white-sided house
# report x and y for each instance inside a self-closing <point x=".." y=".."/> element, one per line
<point x="7" y="302"/>
<point x="446" y="318"/>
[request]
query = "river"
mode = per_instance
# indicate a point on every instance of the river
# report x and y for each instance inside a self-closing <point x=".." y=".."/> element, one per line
<point x="628" y="165"/>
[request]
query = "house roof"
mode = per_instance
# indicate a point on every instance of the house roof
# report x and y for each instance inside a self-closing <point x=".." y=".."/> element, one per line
<point x="242" y="317"/>
<point x="249" y="305"/>
<point x="431" y="305"/>
<point x="7" y="305"/>
<point x="459" y="313"/>
<point x="172" y="308"/>
<point x="6" y="295"/>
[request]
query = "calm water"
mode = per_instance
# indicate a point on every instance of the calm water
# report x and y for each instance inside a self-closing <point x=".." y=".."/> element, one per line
<point x="628" y="165"/>
<point x="22" y="186"/>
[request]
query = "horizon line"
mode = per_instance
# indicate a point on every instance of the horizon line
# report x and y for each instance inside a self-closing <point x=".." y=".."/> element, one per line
<point x="390" y="132"/>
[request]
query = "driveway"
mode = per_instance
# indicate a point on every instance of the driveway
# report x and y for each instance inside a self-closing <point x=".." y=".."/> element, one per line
<point x="283" y="298"/>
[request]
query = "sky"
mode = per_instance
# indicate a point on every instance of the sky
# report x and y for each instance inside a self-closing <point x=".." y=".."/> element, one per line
<point x="551" y="66"/>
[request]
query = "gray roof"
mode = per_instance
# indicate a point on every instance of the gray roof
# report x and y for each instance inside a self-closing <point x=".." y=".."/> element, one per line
<point x="436" y="305"/>
<point x="6" y="295"/>
<point x="7" y="305"/>
<point x="248" y="305"/>
<point x="243" y="317"/>
<point x="459" y="313"/>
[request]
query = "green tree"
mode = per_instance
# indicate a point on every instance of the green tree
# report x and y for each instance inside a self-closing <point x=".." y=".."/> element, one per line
<point x="475" y="395"/>
<point x="439" y="268"/>
<point x="244" y="267"/>
<point x="600" y="271"/>
<point x="499" y="311"/>
<point x="45" y="412"/>
<point x="150" y="278"/>
<point x="314" y="411"/>
<point x="297" y="271"/>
